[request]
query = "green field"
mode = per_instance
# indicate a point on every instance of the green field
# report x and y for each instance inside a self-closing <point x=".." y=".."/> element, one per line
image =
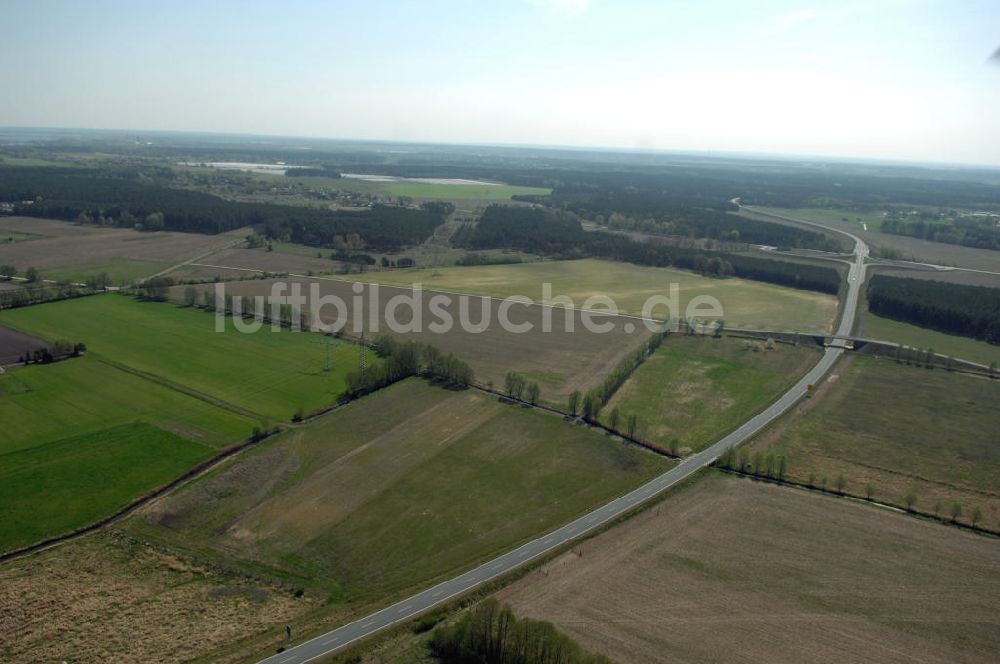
<point x="697" y="389"/>
<point x="42" y="403"/>
<point x="886" y="329"/>
<point x="270" y="374"/>
<point x="68" y="483"/>
<point x="402" y="487"/>
<point x="129" y="434"/>
<point x="31" y="162"/>
<point x="940" y="440"/>
<point x="120" y="270"/>
<point x="433" y="191"/>
<point x="871" y="221"/>
<point x="745" y="303"/>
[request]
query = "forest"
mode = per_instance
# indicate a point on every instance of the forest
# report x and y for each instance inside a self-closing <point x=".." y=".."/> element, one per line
<point x="559" y="234"/>
<point x="969" y="232"/>
<point x="969" y="311"/>
<point x="128" y="199"/>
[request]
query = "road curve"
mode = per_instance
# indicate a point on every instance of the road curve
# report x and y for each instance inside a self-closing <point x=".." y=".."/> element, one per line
<point x="412" y="606"/>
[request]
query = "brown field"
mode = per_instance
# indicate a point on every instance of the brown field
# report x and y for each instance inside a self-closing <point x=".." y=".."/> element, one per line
<point x="949" y="276"/>
<point x="731" y="570"/>
<point x="559" y="361"/>
<point x="940" y="441"/>
<point x="242" y="261"/>
<point x="14" y="344"/>
<point x="70" y="251"/>
<point x="911" y="248"/>
<point x="108" y="598"/>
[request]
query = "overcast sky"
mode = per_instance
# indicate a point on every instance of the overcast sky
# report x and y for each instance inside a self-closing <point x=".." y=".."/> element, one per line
<point x="894" y="79"/>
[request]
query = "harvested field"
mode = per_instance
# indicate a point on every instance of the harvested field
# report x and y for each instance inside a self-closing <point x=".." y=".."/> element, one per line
<point x="241" y="260"/>
<point x="899" y="429"/>
<point x="560" y="361"/>
<point x="697" y="389"/>
<point x="107" y="598"/>
<point x="65" y="250"/>
<point x="14" y="344"/>
<point x="731" y="570"/>
<point x="401" y="488"/>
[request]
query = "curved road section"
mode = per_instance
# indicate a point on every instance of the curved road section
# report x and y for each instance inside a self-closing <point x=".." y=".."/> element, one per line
<point x="410" y="607"/>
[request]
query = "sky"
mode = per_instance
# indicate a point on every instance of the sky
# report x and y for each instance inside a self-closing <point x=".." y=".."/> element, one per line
<point x="909" y="80"/>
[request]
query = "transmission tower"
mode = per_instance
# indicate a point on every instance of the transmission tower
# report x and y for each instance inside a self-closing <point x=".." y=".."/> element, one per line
<point x="327" y="340"/>
<point x="362" y="357"/>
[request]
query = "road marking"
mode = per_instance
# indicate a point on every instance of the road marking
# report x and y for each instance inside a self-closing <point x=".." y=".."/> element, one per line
<point x="367" y="624"/>
<point x="288" y="659"/>
<point x="438" y="593"/>
<point x="329" y="641"/>
<point x="404" y="608"/>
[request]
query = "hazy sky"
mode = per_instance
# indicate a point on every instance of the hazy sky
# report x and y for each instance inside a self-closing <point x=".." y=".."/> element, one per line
<point x="897" y="79"/>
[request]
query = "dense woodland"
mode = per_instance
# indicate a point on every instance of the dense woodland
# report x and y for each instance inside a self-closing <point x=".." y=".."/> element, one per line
<point x="966" y="231"/>
<point x="126" y="200"/>
<point x="970" y="311"/>
<point x="560" y="234"/>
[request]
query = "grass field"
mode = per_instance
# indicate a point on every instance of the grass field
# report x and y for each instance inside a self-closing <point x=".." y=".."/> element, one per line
<point x="940" y="440"/>
<point x="105" y="598"/>
<point x="42" y="403"/>
<point x="81" y="438"/>
<point x="63" y="250"/>
<point x="403" y="487"/>
<point x="67" y="483"/>
<point x="271" y="374"/>
<point x="745" y="303"/>
<point x="561" y="360"/>
<point x="871" y="220"/>
<point x="697" y="389"/>
<point x="730" y="570"/>
<point x="877" y="327"/>
<point x="435" y="191"/>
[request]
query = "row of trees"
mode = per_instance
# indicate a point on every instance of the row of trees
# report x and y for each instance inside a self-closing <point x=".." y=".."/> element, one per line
<point x="773" y="465"/>
<point x="492" y="634"/>
<point x="765" y="463"/>
<point x="48" y="354"/>
<point x="403" y="359"/>
<point x="22" y="297"/>
<point x="970" y="311"/>
<point x="518" y="387"/>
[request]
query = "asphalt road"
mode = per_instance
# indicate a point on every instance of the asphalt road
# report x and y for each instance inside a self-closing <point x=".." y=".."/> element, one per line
<point x="412" y="606"/>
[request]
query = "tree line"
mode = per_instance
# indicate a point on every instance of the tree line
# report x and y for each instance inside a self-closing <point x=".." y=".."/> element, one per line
<point x="492" y="634"/>
<point x="969" y="311"/>
<point x="559" y="234"/>
<point x="403" y="359"/>
<point x="968" y="232"/>
<point x="97" y="197"/>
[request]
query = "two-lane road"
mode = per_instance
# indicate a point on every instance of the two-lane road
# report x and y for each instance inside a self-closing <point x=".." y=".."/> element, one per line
<point x="412" y="606"/>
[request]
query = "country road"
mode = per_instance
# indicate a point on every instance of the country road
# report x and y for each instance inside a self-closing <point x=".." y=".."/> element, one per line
<point x="410" y="607"/>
